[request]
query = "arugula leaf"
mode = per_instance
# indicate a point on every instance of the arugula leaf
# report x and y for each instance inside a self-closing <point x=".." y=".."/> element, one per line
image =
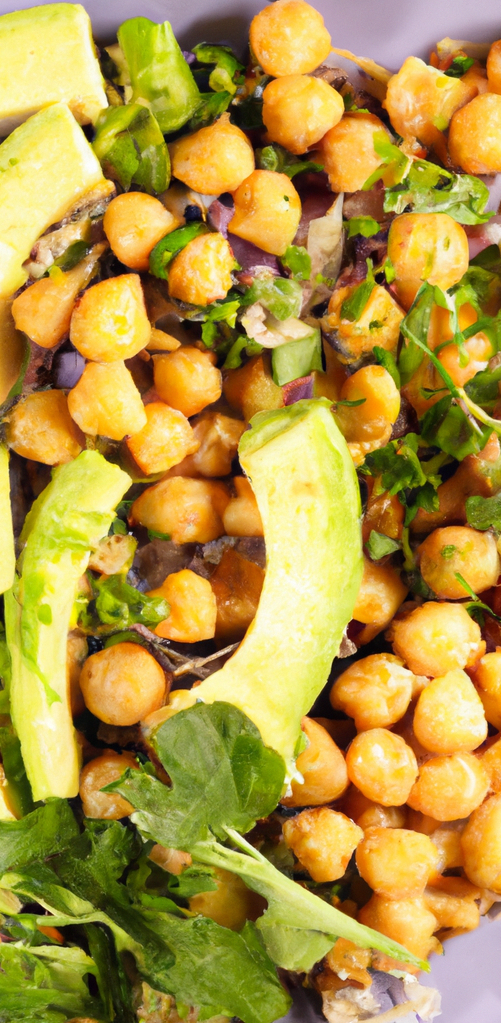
<point x="353" y="306"/>
<point x="222" y="776"/>
<point x="227" y="73"/>
<point x="429" y="188"/>
<point x="388" y="361"/>
<point x="281" y="296"/>
<point x="460" y="65"/>
<point x="365" y="226"/>
<point x="115" y="606"/>
<point x="297" y="260"/>
<point x="168" y="247"/>
<point x="41" y="833"/>
<point x="484" y="512"/>
<point x="45" y="984"/>
<point x="448" y="427"/>
<point x="297" y="359"/>
<point x="379" y="545"/>
<point x="276" y="158"/>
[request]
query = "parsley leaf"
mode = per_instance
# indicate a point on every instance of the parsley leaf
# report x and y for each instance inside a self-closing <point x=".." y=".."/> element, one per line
<point x="388" y="361"/>
<point x="353" y="306"/>
<point x="297" y="260"/>
<point x="378" y="545"/>
<point x="484" y="512"/>
<point x="45" y="984"/>
<point x="41" y="833"/>
<point x="115" y="606"/>
<point x="460" y="65"/>
<point x="429" y="188"/>
<point x="276" y="158"/>
<point x="365" y="226"/>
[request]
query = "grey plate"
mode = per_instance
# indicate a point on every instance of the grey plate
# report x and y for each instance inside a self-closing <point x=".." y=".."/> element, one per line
<point x="469" y="975"/>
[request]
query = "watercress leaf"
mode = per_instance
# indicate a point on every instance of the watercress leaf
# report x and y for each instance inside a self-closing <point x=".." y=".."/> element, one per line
<point x="378" y="545"/>
<point x="43" y="832"/>
<point x="484" y="512"/>
<point x="45" y="984"/>
<point x="281" y="296"/>
<point x="297" y="260"/>
<point x="386" y="359"/>
<point x="297" y="359"/>
<point x="222" y="776"/>
<point x="365" y="226"/>
<point x="116" y="605"/>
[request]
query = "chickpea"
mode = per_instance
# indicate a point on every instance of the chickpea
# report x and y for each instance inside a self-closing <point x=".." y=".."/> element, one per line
<point x="322" y="766"/>
<point x="187" y="510"/>
<point x="40" y="427"/>
<point x="426" y="246"/>
<point x="348" y="151"/>
<point x="187" y="380"/>
<point x="436" y="638"/>
<point x="201" y="272"/>
<point x="215" y="159"/>
<point x="475" y="135"/>
<point x="101" y="771"/>
<point x="479" y="349"/>
<point x="379" y="598"/>
<point x="267" y="210"/>
<point x="164" y="441"/>
<point x="323" y="841"/>
<point x="133" y="224"/>
<point x="193" y="607"/>
<point x="298" y="110"/>
<point x="447" y="840"/>
<point x="449" y="787"/>
<point x="172" y="860"/>
<point x="367" y="814"/>
<point x="289" y="38"/>
<point x="378" y="324"/>
<point x="453" y="902"/>
<point x="106" y="401"/>
<point x="382" y="766"/>
<point x="122" y="684"/>
<point x="109" y="321"/>
<point x="217" y="436"/>
<point x="421" y="100"/>
<point x="231" y="905"/>
<point x="252" y="389"/>
<point x="459" y="550"/>
<point x="481" y="843"/>
<point x="491" y="761"/>
<point x="396" y="863"/>
<point x="241" y="515"/>
<point x="368" y="426"/>
<point x="487" y="678"/>
<point x="407" y="921"/>
<point x="449" y="716"/>
<point x="494" y="67"/>
<point x="113" y="554"/>
<point x="375" y="691"/>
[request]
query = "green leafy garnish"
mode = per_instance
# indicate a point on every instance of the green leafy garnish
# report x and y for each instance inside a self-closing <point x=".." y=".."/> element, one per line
<point x="276" y="158"/>
<point x="429" y="188"/>
<point x="297" y="260"/>
<point x="42" y="833"/>
<point x="448" y="427"/>
<point x="131" y="148"/>
<point x="226" y="75"/>
<point x="45" y="984"/>
<point x="378" y="545"/>
<point x="460" y="65"/>
<point x="72" y="255"/>
<point x="484" y="512"/>
<point x="281" y="296"/>
<point x="115" y="606"/>
<point x="404" y="474"/>
<point x="211" y="105"/>
<point x="394" y="163"/>
<point x="297" y="359"/>
<point x="365" y="226"/>
<point x="242" y="343"/>
<point x="165" y="250"/>
<point x="388" y="361"/>
<point x="353" y="306"/>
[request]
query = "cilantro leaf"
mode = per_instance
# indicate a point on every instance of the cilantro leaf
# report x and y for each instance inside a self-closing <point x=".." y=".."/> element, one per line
<point x="227" y="72"/>
<point x="45" y="984"/>
<point x="484" y="512"/>
<point x="222" y="776"/>
<point x="365" y="226"/>
<point x="41" y="833"/>
<point x="297" y="260"/>
<point x="429" y="188"/>
<point x="353" y="306"/>
<point x="115" y="606"/>
<point x="379" y="545"/>
<point x="281" y="296"/>
<point x="388" y="361"/>
<point x="276" y="158"/>
<point x="448" y="427"/>
<point x="460" y="65"/>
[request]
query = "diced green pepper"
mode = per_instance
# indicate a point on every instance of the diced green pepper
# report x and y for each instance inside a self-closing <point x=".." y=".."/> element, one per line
<point x="168" y="247"/>
<point x="131" y="148"/>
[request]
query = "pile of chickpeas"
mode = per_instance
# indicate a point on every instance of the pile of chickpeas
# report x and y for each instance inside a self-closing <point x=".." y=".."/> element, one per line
<point x="406" y="775"/>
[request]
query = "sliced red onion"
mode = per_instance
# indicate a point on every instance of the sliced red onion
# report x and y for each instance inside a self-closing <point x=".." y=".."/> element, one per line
<point x="481" y="236"/>
<point x="251" y="258"/>
<point x="68" y="368"/>
<point x="189" y="57"/>
<point x="314" y="205"/>
<point x="219" y="216"/>
<point x="298" y="389"/>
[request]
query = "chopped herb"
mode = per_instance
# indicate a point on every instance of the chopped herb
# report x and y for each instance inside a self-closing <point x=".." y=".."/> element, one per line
<point x="448" y="551"/>
<point x="353" y="306"/>
<point x="297" y="260"/>
<point x="386" y="359"/>
<point x="234" y="357"/>
<point x="167" y="248"/>
<point x="115" y="606"/>
<point x="484" y="512"/>
<point x="365" y="226"/>
<point x="211" y="106"/>
<point x="394" y="163"/>
<point x="153" y="534"/>
<point x="378" y="545"/>
<point x="276" y="158"/>
<point x="460" y="65"/>
<point x="226" y="75"/>
<point x="429" y="188"/>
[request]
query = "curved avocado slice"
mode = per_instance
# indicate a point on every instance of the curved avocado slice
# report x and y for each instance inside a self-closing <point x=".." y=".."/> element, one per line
<point x="7" y="553"/>
<point x="306" y="488"/>
<point x="69" y="518"/>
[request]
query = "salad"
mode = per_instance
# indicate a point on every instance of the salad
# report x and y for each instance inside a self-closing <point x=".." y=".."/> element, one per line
<point x="250" y="487"/>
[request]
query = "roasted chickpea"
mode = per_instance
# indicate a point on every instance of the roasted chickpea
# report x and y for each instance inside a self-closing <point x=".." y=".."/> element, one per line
<point x="40" y="427"/>
<point x="382" y="766"/>
<point x="348" y="151"/>
<point x="454" y="903"/>
<point x="367" y="814"/>
<point x="298" y="110"/>
<point x="395" y="862"/>
<point x="449" y="716"/>
<point x="447" y="840"/>
<point x="481" y="844"/>
<point x="378" y="324"/>
<point x="252" y="389"/>
<point x="101" y="771"/>
<point x="106" y="401"/>
<point x="289" y="38"/>
<point x="375" y="691"/>
<point x="459" y="550"/>
<point x="494" y="67"/>
<point x="201" y="272"/>
<point x="231" y="905"/>
<point x="133" y="224"/>
<point x="479" y="350"/>
<point x="475" y="135"/>
<point x="368" y="426"/>
<point x="187" y="510"/>
<point x="241" y="515"/>
<point x="487" y="678"/>
<point x="187" y="379"/>
<point x="449" y="787"/>
<point x="164" y="441"/>
<point x="122" y="684"/>
<point x="436" y="638"/>
<point x="193" y="607"/>
<point x="267" y="210"/>
<point x="215" y="159"/>
<point x="109" y="321"/>
<point x="426" y="247"/>
<point x="172" y="860"/>
<point x="421" y="100"/>
<point x="323" y="841"/>
<point x="491" y="761"/>
<point x="217" y="437"/>
<point x="322" y="766"/>
<point x="379" y="598"/>
<point x="407" y="921"/>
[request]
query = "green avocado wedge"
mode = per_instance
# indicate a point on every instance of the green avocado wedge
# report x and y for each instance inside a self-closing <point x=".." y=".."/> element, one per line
<point x="307" y="491"/>
<point x="7" y="553"/>
<point x="67" y="520"/>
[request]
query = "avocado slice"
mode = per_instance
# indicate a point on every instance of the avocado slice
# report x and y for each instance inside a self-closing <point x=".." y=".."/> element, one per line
<point x="47" y="55"/>
<point x="7" y="554"/>
<point x="13" y="350"/>
<point x="306" y="488"/>
<point x="69" y="519"/>
<point x="46" y="166"/>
